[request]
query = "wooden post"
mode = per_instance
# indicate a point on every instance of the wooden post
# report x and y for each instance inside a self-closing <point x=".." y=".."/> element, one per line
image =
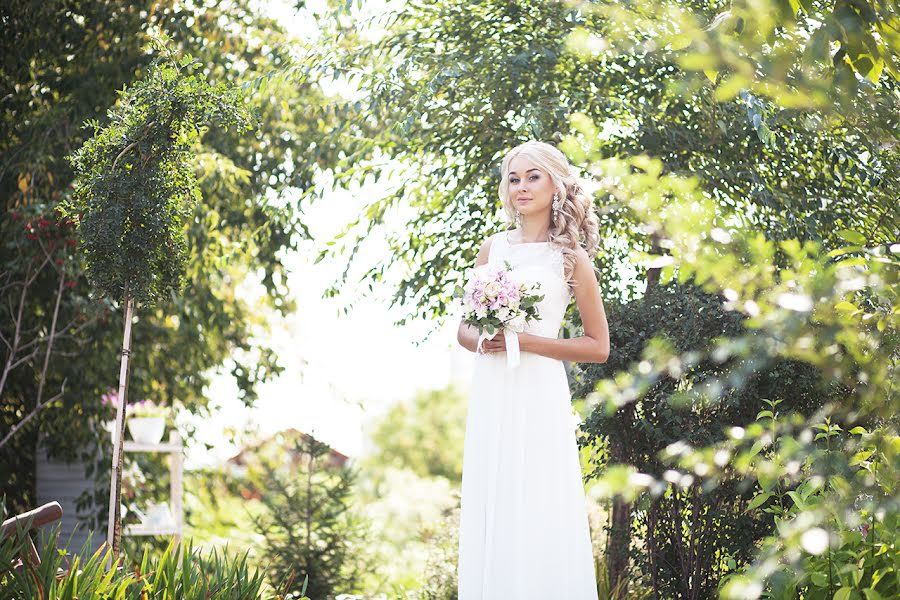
<point x="114" y="529"/>
<point x="175" y="484"/>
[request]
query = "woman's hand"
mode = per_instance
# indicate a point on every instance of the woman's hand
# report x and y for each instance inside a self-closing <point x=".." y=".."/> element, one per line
<point x="498" y="342"/>
<point x="494" y="344"/>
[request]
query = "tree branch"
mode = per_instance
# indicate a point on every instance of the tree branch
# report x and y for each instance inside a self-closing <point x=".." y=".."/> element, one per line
<point x="130" y="146"/>
<point x="39" y="403"/>
<point x="17" y="334"/>
<point x="122" y="153"/>
<point x="34" y="411"/>
<point x="59" y="292"/>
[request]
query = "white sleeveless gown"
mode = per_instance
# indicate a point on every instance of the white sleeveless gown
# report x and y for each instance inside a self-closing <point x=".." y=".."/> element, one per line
<point x="523" y="532"/>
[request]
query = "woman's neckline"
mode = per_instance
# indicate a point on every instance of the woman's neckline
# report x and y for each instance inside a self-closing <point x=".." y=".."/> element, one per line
<point x="506" y="236"/>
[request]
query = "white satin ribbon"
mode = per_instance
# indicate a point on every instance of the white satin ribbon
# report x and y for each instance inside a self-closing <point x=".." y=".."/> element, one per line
<point x="512" y="346"/>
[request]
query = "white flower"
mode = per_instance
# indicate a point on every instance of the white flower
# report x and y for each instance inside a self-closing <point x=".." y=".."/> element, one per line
<point x="517" y="323"/>
<point x="503" y="313"/>
<point x="492" y="289"/>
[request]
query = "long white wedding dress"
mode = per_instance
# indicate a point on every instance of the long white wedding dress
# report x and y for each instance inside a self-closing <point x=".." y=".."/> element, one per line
<point x="524" y="531"/>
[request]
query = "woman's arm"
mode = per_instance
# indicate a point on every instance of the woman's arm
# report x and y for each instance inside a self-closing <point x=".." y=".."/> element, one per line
<point x="467" y="336"/>
<point x="593" y="346"/>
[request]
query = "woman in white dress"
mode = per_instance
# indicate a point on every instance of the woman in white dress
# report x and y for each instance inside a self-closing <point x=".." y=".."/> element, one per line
<point x="524" y="531"/>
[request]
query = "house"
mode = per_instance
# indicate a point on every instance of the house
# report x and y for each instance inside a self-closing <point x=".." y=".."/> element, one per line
<point x="67" y="482"/>
<point x="285" y="446"/>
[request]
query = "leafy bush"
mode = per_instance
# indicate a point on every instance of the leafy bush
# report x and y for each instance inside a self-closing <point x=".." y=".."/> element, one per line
<point x="833" y="309"/>
<point x="683" y="540"/>
<point x="852" y="553"/>
<point x="440" y="577"/>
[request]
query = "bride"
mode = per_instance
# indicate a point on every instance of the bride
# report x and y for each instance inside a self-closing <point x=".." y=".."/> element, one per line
<point x="523" y="530"/>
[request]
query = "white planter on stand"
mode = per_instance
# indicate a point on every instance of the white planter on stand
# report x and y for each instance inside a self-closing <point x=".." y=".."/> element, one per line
<point x="146" y="430"/>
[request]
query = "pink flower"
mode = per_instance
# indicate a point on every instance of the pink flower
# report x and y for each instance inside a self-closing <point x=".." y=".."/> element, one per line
<point x="110" y="398"/>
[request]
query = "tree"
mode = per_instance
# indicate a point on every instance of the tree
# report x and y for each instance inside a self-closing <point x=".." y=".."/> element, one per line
<point x="424" y="435"/>
<point x="447" y="90"/>
<point x="135" y="185"/>
<point x="311" y="534"/>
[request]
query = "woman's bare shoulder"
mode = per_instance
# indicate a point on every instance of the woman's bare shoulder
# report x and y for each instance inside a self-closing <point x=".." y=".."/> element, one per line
<point x="485" y="250"/>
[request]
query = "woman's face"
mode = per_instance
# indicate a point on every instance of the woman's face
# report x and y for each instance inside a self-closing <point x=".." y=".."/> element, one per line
<point x="530" y="187"/>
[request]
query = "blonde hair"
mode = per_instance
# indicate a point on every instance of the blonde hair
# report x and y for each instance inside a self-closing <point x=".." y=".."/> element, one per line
<point x="576" y="218"/>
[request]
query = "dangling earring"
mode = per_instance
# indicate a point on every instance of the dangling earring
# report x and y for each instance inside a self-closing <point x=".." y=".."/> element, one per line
<point x="555" y="205"/>
<point x="518" y="218"/>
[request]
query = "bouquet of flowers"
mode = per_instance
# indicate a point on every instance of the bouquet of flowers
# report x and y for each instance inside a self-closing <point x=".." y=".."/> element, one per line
<point x="495" y="301"/>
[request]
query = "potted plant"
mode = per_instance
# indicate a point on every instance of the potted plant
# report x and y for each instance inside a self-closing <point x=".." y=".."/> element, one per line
<point x="151" y="418"/>
<point x="146" y="421"/>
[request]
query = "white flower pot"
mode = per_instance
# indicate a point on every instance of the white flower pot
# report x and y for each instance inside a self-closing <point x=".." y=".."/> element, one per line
<point x="146" y="430"/>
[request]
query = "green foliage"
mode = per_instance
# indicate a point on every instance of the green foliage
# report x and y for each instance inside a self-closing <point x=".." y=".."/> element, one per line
<point x="835" y="311"/>
<point x="86" y="577"/>
<point x="182" y="573"/>
<point x="844" y="526"/>
<point x="310" y="532"/>
<point x="832" y="50"/>
<point x="135" y="181"/>
<point x="409" y="484"/>
<point x="710" y="525"/>
<point x="216" y="516"/>
<point x="424" y="435"/>
<point x="446" y="91"/>
<point x="179" y="572"/>
<point x="440" y="578"/>
<point x="65" y="65"/>
<point x="623" y="590"/>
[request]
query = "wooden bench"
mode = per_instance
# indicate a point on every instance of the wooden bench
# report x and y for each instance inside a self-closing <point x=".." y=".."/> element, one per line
<point x="28" y="522"/>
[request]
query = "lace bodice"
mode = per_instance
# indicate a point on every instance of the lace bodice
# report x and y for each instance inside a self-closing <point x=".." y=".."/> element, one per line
<point x="536" y="262"/>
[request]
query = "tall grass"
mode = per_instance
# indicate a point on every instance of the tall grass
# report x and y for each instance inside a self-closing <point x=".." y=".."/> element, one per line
<point x="179" y="572"/>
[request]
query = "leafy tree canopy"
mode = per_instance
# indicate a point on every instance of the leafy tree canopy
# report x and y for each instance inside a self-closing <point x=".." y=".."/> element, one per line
<point x="451" y="86"/>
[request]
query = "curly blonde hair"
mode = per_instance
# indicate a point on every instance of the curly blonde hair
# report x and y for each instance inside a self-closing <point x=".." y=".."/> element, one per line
<point x="576" y="222"/>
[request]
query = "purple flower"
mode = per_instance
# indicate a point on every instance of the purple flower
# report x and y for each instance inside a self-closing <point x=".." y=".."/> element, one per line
<point x="110" y="398"/>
